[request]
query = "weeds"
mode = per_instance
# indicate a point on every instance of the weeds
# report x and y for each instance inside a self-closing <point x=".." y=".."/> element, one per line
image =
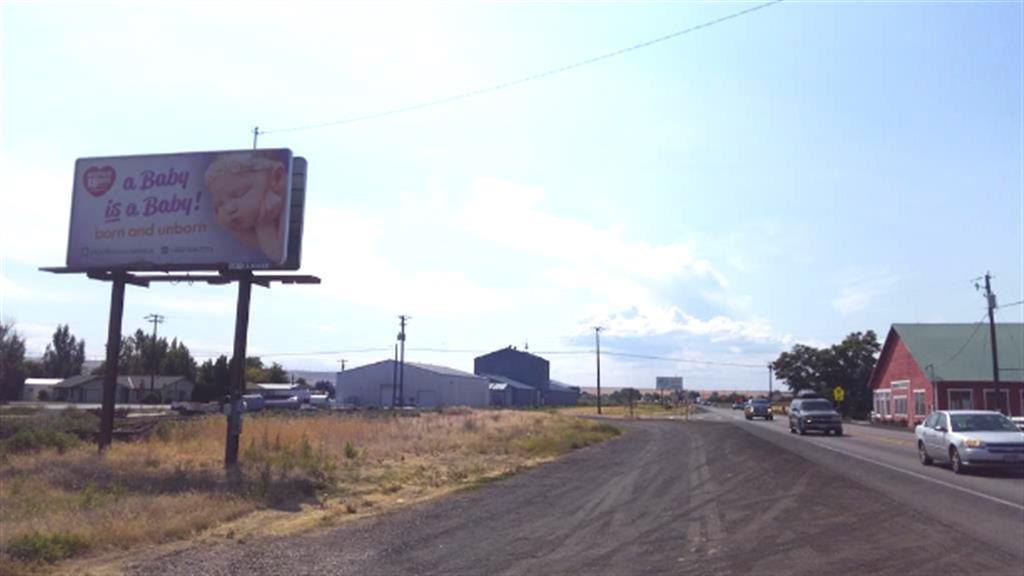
<point x="50" y="548"/>
<point x="172" y="484"/>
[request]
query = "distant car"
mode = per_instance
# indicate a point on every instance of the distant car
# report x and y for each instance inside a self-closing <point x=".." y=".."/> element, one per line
<point x="737" y="405"/>
<point x="806" y="414"/>
<point x="758" y="408"/>
<point x="970" y="438"/>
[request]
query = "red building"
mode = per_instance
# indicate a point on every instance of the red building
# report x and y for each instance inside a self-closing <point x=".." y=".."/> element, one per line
<point x="926" y="367"/>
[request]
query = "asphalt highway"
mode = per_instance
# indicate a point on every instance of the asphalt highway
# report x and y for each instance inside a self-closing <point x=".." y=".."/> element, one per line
<point x="988" y="504"/>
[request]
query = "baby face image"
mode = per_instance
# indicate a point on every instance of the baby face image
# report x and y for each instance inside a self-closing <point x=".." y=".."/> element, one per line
<point x="239" y="199"/>
<point x="248" y="195"/>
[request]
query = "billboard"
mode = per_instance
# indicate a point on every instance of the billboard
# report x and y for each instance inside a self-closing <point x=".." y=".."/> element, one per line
<point x="668" y="382"/>
<point x="200" y="210"/>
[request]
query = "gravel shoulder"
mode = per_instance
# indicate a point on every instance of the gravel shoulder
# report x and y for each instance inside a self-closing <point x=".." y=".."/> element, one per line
<point x="667" y="497"/>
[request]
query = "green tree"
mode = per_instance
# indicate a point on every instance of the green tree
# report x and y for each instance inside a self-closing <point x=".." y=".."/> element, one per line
<point x="12" y="358"/>
<point x="276" y="373"/>
<point x="65" y="355"/>
<point x="848" y="364"/>
<point x="212" y="380"/>
<point x="800" y="368"/>
<point x="178" y="361"/>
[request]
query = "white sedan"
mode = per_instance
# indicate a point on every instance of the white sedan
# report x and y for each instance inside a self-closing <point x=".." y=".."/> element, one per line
<point x="969" y="438"/>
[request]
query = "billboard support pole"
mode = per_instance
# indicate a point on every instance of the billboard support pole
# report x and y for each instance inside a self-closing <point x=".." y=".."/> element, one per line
<point x="238" y="372"/>
<point x="113" y="356"/>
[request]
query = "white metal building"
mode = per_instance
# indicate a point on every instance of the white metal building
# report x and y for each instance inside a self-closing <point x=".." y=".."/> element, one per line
<point x="40" y="389"/>
<point x="426" y="386"/>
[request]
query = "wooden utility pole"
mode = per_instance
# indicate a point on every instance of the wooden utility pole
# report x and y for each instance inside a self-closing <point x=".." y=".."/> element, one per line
<point x="597" y="341"/>
<point x="401" y="364"/>
<point x="394" y="379"/>
<point x="990" y="300"/>
<point x="155" y="319"/>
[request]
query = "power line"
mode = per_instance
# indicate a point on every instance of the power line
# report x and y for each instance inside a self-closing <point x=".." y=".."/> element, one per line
<point x="684" y="360"/>
<point x="525" y="79"/>
<point x="1017" y="303"/>
<point x="977" y="327"/>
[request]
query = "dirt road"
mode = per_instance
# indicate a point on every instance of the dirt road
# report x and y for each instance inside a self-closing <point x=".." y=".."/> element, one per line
<point x="667" y="498"/>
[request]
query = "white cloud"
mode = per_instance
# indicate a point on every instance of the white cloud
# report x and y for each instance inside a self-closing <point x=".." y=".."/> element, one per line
<point x="511" y="215"/>
<point x="646" y="322"/>
<point x="344" y="248"/>
<point x="862" y="290"/>
<point x="36" y="206"/>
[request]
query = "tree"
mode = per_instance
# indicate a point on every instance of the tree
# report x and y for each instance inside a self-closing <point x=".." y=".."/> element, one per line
<point x="848" y="364"/>
<point x="800" y="368"/>
<point x="65" y="355"/>
<point x="12" y="358"/>
<point x="140" y="353"/>
<point x="254" y="369"/>
<point x="212" y="379"/>
<point x="178" y="361"/>
<point x="276" y="373"/>
<point x="325" y="386"/>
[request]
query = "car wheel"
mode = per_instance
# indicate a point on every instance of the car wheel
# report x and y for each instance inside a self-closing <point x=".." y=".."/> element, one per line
<point x="922" y="455"/>
<point x="749" y="418"/>
<point x="955" y="463"/>
<point x="839" y="432"/>
<point x="771" y="418"/>
<point x="800" y="429"/>
<point x="791" y="429"/>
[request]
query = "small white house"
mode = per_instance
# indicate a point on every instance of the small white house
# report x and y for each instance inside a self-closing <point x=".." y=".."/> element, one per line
<point x="40" y="389"/>
<point x="425" y="386"/>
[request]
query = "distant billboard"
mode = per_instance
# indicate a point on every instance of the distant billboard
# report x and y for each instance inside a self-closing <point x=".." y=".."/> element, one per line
<point x="200" y="210"/>
<point x="668" y="382"/>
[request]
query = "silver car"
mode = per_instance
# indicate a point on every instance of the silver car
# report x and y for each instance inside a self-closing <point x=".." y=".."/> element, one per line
<point x="968" y="438"/>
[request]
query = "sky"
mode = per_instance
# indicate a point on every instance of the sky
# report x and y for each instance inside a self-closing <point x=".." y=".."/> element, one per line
<point x="792" y="175"/>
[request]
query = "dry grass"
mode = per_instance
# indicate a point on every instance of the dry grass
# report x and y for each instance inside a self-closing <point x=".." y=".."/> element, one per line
<point x="639" y="411"/>
<point x="297" y="472"/>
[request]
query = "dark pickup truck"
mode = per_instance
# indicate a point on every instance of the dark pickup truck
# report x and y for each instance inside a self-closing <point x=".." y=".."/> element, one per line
<point x="758" y="408"/>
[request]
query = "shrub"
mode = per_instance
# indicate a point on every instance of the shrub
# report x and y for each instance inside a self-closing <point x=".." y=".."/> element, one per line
<point x="40" y="547"/>
<point x="350" y="451"/>
<point x="81" y="424"/>
<point x="30" y="439"/>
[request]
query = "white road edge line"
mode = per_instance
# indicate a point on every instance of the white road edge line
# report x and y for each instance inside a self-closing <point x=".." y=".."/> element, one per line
<point x="923" y="477"/>
<point x="909" y="473"/>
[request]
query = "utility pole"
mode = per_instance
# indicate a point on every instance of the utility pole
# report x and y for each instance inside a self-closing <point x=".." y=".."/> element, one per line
<point x="990" y="300"/>
<point x="255" y="136"/>
<point x="401" y="363"/>
<point x="155" y="319"/>
<point x="342" y="362"/>
<point x="771" y="369"/>
<point x="597" y="341"/>
<point x="394" y="380"/>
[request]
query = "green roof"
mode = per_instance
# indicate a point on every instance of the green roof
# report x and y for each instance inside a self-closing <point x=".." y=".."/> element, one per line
<point x="963" y="352"/>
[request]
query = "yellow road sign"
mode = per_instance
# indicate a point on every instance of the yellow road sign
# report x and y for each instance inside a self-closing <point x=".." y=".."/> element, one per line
<point x="838" y="393"/>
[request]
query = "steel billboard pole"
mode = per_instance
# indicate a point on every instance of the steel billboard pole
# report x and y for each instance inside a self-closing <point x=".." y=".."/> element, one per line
<point x="238" y="371"/>
<point x="113" y="358"/>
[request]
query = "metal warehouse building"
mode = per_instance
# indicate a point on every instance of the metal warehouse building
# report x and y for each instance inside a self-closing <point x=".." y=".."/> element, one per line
<point x="516" y="367"/>
<point x="426" y="386"/>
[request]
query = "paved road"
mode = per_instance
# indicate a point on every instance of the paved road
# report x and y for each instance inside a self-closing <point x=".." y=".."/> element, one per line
<point x="668" y="497"/>
<point x="986" y="504"/>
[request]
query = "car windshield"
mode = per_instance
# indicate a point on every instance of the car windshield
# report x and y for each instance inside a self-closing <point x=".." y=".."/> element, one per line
<point x="759" y="402"/>
<point x="816" y="405"/>
<point x="982" y="423"/>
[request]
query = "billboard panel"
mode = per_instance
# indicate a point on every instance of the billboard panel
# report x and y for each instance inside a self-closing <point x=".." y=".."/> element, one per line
<point x="198" y="210"/>
<point x="668" y="382"/>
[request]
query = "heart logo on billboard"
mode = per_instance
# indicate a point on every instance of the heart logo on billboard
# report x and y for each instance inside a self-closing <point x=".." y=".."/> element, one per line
<point x="99" y="180"/>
